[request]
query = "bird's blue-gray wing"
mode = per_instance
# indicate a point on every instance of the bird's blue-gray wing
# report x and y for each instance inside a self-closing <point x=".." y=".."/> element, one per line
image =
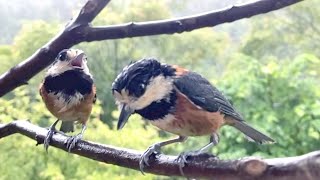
<point x="204" y="95"/>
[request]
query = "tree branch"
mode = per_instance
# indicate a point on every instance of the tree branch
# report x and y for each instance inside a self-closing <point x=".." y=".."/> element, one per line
<point x="79" y="30"/>
<point x="204" y="166"/>
<point x="90" y="10"/>
<point x="23" y="72"/>
<point x="184" y="24"/>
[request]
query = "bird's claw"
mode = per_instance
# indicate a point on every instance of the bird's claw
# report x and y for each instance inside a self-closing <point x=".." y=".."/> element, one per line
<point x="182" y="159"/>
<point x="48" y="138"/>
<point x="72" y="141"/>
<point x="154" y="149"/>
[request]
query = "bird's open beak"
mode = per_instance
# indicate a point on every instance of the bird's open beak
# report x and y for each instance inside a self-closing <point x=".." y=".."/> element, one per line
<point x="78" y="60"/>
<point x="126" y="112"/>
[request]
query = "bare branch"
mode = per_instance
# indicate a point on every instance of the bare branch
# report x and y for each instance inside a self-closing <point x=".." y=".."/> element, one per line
<point x="205" y="166"/>
<point x="90" y="10"/>
<point x="179" y="25"/>
<point x="23" y="72"/>
<point x="79" y="30"/>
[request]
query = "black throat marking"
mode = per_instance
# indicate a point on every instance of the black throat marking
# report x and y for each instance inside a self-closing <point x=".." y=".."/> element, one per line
<point x="69" y="83"/>
<point x="159" y="109"/>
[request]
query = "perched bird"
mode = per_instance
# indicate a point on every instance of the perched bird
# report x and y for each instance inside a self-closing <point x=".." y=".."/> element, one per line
<point x="68" y="92"/>
<point x="178" y="101"/>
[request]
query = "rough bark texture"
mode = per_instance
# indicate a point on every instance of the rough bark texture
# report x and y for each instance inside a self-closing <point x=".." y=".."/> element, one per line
<point x="205" y="166"/>
<point x="185" y="24"/>
<point x="304" y="167"/>
<point x="69" y="36"/>
<point x="80" y="30"/>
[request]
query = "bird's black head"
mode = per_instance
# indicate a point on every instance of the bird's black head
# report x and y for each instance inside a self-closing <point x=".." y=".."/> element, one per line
<point x="136" y="76"/>
<point x="139" y="84"/>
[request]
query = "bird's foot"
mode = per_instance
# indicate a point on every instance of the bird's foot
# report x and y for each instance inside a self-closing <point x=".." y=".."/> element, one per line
<point x="48" y="138"/>
<point x="154" y="149"/>
<point x="182" y="159"/>
<point x="72" y="141"/>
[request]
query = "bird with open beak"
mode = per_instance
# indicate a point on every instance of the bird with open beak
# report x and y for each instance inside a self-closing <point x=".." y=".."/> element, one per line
<point x="178" y="101"/>
<point x="68" y="92"/>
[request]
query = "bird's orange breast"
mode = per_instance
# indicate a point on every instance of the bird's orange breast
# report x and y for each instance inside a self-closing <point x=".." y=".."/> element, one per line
<point x="190" y="120"/>
<point x="77" y="112"/>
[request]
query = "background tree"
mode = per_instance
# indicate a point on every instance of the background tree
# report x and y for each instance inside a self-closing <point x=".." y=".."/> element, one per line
<point x="267" y="65"/>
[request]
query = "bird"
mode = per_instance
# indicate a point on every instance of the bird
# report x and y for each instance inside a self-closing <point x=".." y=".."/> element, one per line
<point x="178" y="101"/>
<point x="68" y="92"/>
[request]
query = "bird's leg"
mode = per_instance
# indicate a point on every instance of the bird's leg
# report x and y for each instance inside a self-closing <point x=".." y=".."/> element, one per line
<point x="47" y="139"/>
<point x="72" y="141"/>
<point x="182" y="158"/>
<point x="156" y="148"/>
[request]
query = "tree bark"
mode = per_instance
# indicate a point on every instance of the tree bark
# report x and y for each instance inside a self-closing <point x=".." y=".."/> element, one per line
<point x="304" y="167"/>
<point x="80" y="30"/>
<point x="185" y="24"/>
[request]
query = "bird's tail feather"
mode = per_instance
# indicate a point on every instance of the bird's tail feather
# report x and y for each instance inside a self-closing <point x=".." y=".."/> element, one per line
<point x="251" y="133"/>
<point x="67" y="126"/>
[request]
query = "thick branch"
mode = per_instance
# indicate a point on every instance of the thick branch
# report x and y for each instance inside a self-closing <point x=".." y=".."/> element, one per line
<point x="71" y="35"/>
<point x="90" y="10"/>
<point x="205" y="166"/>
<point x="179" y="25"/>
<point x="79" y="30"/>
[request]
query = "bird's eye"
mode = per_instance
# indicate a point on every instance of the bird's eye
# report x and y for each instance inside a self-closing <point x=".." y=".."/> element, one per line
<point x="138" y="90"/>
<point x="142" y="86"/>
<point x="62" y="56"/>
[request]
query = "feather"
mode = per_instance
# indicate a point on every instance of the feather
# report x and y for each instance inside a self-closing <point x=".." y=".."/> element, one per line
<point x="203" y="94"/>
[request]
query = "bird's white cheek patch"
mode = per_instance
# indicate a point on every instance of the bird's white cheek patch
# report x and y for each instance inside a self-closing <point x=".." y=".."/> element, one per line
<point x="63" y="66"/>
<point x="158" y="88"/>
<point x="122" y="98"/>
<point x="86" y="69"/>
<point x="58" y="68"/>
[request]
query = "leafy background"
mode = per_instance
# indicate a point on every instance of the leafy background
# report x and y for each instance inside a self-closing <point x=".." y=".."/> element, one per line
<point x="267" y="65"/>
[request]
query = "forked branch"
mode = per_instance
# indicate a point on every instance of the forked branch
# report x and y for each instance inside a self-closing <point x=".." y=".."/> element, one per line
<point x="80" y="30"/>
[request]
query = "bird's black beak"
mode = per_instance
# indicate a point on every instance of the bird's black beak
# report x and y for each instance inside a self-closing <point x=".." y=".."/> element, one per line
<point x="78" y="60"/>
<point x="124" y="116"/>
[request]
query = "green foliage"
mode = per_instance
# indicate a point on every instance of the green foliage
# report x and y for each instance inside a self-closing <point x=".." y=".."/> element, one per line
<point x="7" y="54"/>
<point x="272" y="81"/>
<point x="280" y="98"/>
<point x="32" y="36"/>
<point x="37" y="164"/>
<point x="285" y="34"/>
